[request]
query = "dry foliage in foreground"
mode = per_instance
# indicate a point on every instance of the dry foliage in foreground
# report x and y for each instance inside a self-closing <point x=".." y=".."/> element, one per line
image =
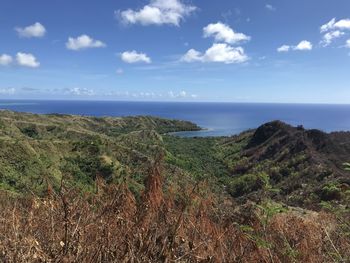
<point x="112" y="226"/>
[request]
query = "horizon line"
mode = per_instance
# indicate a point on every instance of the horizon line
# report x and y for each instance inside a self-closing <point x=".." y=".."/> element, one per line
<point x="174" y="101"/>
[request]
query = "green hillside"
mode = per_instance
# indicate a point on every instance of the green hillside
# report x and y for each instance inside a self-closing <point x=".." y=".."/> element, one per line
<point x="87" y="189"/>
<point x="39" y="151"/>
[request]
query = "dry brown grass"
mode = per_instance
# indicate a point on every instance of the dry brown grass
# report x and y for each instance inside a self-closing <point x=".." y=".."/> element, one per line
<point x="111" y="226"/>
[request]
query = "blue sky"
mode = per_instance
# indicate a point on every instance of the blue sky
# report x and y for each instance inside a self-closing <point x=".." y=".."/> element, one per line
<point x="171" y="50"/>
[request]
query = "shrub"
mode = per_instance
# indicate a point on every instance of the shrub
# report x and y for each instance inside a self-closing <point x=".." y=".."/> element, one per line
<point x="30" y="131"/>
<point x="330" y="192"/>
<point x="246" y="184"/>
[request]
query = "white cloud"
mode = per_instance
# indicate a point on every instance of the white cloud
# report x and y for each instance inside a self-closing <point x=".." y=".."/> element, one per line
<point x="222" y="32"/>
<point x="183" y="94"/>
<point x="5" y="60"/>
<point x="225" y="53"/>
<point x="7" y="91"/>
<point x="140" y="95"/>
<point x="343" y="24"/>
<point x="347" y="43"/>
<point x="22" y="59"/>
<point x="284" y="48"/>
<point x="35" y="30"/>
<point x="135" y="57"/>
<point x="218" y="52"/>
<point x="158" y="12"/>
<point x="27" y="60"/>
<point x="81" y="92"/>
<point x="83" y="42"/>
<point x="334" y="29"/>
<point x="270" y="7"/>
<point x="192" y="56"/>
<point x="328" y="26"/>
<point x="180" y="95"/>
<point x="302" y="46"/>
<point x="330" y="36"/>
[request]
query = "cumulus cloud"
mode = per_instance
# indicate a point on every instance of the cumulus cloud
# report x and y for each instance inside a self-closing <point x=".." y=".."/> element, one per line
<point x="334" y="29"/>
<point x="328" y="26"/>
<point x="35" y="30"/>
<point x="343" y="24"/>
<point x="157" y="12"/>
<point x="284" y="48"/>
<point x="303" y="45"/>
<point x="5" y="60"/>
<point x="135" y="57"/>
<point x="223" y="33"/>
<point x="21" y="59"/>
<point x="83" y="42"/>
<point x="347" y="43"/>
<point x="225" y="53"/>
<point x="192" y="56"/>
<point x="218" y="52"/>
<point x="270" y="7"/>
<point x="7" y="91"/>
<point x="27" y="60"/>
<point x="330" y="36"/>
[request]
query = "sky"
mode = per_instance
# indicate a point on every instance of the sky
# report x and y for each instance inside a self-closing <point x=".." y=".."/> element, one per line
<point x="176" y="50"/>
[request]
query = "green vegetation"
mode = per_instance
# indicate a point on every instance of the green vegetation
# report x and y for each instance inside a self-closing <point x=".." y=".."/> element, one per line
<point x="126" y="180"/>
<point x="275" y="161"/>
<point x="330" y="192"/>
<point x="246" y="184"/>
<point x="39" y="151"/>
<point x="198" y="156"/>
<point x="346" y="166"/>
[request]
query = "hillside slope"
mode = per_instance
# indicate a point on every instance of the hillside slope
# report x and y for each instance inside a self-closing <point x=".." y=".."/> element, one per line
<point x="303" y="166"/>
<point x="38" y="151"/>
<point x="85" y="189"/>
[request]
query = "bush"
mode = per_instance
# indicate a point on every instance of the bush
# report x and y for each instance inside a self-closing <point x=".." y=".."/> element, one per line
<point x="330" y="192"/>
<point x="246" y="184"/>
<point x="30" y="131"/>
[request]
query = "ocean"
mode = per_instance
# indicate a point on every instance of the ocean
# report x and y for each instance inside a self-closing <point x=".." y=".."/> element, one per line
<point x="218" y="119"/>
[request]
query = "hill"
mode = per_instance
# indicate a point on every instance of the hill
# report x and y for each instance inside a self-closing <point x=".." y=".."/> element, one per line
<point x="86" y="189"/>
<point x="304" y="167"/>
<point x="38" y="151"/>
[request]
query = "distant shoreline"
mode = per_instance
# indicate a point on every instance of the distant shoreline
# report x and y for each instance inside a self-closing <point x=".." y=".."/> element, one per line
<point x="216" y="119"/>
<point x="35" y="101"/>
